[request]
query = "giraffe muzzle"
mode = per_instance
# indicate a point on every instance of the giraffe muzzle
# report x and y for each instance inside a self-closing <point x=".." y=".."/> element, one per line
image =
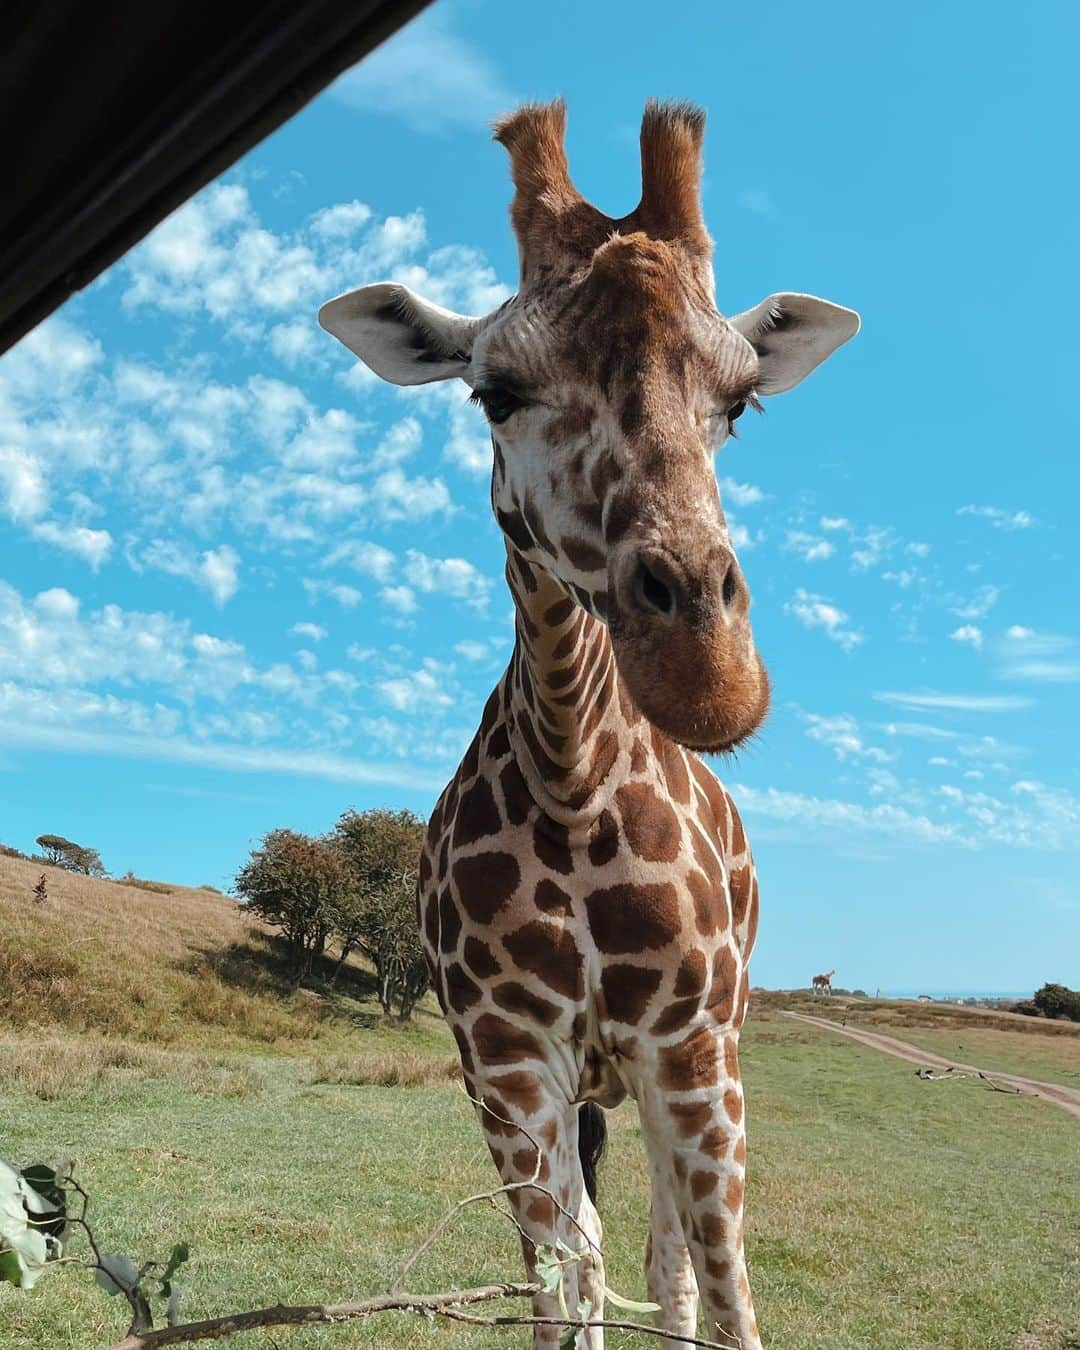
<point x="684" y="645"/>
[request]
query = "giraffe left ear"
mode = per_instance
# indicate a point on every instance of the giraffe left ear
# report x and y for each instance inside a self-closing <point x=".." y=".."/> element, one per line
<point x="401" y="336"/>
<point x="792" y="334"/>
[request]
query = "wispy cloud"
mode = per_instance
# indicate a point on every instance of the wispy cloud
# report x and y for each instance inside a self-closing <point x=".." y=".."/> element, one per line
<point x="896" y="822"/>
<point x="814" y="611"/>
<point x="980" y="703"/>
<point x="430" y="77"/>
<point x="998" y="517"/>
<point x="1047" y="658"/>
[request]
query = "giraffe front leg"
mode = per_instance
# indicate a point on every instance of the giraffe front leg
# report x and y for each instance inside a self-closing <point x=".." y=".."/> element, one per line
<point x="548" y="1201"/>
<point x="697" y="1143"/>
<point x="669" y="1272"/>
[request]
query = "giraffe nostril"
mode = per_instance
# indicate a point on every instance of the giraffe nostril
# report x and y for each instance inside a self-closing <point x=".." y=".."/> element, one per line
<point x="731" y="585"/>
<point x="654" y="593"/>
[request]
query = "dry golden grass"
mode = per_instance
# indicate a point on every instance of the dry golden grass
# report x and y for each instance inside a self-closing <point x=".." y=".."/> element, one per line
<point x="401" y="1069"/>
<point x="100" y="956"/>
<point x="58" y="1067"/>
<point x="882" y="1013"/>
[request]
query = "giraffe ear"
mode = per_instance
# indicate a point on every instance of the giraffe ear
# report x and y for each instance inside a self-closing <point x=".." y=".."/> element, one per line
<point x="792" y="334"/>
<point x="402" y="337"/>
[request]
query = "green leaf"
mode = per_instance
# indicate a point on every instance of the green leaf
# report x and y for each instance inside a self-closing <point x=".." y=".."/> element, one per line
<point x="629" y="1304"/>
<point x="10" y="1269"/>
<point x="548" y="1269"/>
<point x="570" y="1337"/>
<point x="117" y="1274"/>
<point x="180" y="1253"/>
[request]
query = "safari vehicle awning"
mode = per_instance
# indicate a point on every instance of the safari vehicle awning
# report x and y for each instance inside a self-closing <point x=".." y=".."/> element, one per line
<point x="112" y="114"/>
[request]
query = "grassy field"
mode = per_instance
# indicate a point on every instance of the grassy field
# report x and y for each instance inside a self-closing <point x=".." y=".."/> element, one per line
<point x="882" y="1211"/>
<point x="1008" y="1042"/>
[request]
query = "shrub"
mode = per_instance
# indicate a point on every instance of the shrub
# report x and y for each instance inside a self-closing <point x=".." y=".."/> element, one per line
<point x="377" y="915"/>
<point x="6" y="851"/>
<point x="298" y="884"/>
<point x="130" y="879"/>
<point x="1058" y="1001"/>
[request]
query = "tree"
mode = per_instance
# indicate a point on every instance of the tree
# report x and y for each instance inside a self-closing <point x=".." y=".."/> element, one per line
<point x="378" y="916"/>
<point x="70" y="856"/>
<point x="1059" y="1001"/>
<point x="296" y="883"/>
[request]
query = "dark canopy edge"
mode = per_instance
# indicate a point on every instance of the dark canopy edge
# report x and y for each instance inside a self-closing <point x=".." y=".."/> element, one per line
<point x="270" y="60"/>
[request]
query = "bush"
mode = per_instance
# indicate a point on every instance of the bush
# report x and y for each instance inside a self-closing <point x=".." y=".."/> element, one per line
<point x="377" y="915"/>
<point x="1057" y="1001"/>
<point x="130" y="879"/>
<point x="298" y="884"/>
<point x="6" y="851"/>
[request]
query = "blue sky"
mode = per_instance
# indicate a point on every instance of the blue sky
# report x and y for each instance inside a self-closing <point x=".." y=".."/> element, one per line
<point x="244" y="585"/>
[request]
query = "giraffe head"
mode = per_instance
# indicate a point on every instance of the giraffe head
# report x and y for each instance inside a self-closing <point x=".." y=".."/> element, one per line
<point x="610" y="381"/>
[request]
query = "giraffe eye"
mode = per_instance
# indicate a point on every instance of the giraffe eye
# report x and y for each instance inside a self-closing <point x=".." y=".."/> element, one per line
<point x="497" y="402"/>
<point x="736" y="411"/>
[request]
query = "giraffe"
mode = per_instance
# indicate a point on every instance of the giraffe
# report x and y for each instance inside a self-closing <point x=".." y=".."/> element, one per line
<point x="587" y="898"/>
<point x="822" y="984"/>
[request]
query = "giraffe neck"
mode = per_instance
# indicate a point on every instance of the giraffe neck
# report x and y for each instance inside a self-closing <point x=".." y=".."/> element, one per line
<point x="568" y="714"/>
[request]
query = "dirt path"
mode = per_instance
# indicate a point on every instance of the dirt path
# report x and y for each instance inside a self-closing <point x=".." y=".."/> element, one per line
<point x="1067" y="1098"/>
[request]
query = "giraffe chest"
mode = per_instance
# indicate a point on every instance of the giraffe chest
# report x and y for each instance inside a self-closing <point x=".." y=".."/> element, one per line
<point x="636" y="926"/>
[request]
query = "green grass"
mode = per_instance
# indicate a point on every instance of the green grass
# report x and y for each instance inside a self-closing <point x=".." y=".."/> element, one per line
<point x="1051" y="1059"/>
<point x="882" y="1211"/>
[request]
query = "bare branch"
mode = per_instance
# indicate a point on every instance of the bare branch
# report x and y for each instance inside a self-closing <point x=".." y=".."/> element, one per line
<point x="609" y="1324"/>
<point x="284" y="1315"/>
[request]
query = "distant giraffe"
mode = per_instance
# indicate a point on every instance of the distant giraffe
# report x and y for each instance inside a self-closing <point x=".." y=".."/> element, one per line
<point x="587" y="897"/>
<point x="823" y="983"/>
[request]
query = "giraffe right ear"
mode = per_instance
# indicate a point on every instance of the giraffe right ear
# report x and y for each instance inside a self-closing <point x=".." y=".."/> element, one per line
<point x="403" y="338"/>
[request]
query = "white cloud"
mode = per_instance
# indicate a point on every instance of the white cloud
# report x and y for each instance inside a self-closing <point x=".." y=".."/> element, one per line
<point x="896" y="822"/>
<point x="216" y="570"/>
<point x="814" y="611"/>
<point x="23" y="493"/>
<point x="999" y="518"/>
<point x="472" y="650"/>
<point x="340" y="221"/>
<point x="841" y="734"/>
<point x="811" y="548"/>
<point x="399" y="598"/>
<point x="919" y="731"/>
<point x="956" y="702"/>
<point x="419" y="689"/>
<point x="980" y="604"/>
<point x="833" y="523"/>
<point x="371" y="559"/>
<point x="312" y="631"/>
<point x="297" y="342"/>
<point x="447" y="576"/>
<point x="428" y="76"/>
<point x="741" y="494"/>
<point x="93" y="546"/>
<point x="1044" y="657"/>
<point x="57" y="603"/>
<point x="969" y="633"/>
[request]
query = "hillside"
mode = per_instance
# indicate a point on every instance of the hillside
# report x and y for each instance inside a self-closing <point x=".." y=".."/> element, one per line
<point x="156" y="965"/>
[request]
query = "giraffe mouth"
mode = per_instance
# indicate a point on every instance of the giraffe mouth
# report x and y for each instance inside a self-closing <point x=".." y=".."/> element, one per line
<point x="708" y="701"/>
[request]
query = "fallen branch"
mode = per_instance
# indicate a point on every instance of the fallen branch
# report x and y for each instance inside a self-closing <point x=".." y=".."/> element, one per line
<point x="929" y="1075"/>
